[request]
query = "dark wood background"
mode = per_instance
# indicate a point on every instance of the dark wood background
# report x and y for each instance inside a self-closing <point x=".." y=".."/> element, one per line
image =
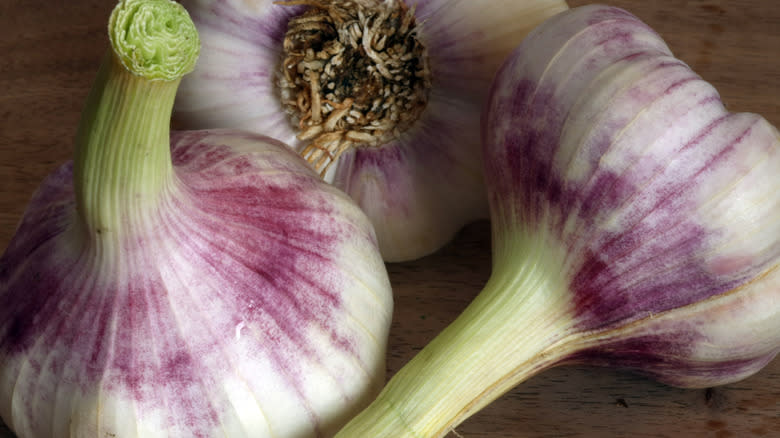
<point x="49" y="52"/>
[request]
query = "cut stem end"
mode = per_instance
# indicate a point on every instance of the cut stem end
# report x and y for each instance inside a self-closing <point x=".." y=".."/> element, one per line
<point x="155" y="39"/>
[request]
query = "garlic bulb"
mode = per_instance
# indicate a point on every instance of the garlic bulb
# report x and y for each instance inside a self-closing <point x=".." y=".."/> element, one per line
<point x="383" y="97"/>
<point x="635" y="223"/>
<point x="665" y="203"/>
<point x="199" y="284"/>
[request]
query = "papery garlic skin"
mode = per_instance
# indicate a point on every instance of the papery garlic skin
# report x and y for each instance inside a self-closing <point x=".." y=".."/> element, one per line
<point x="665" y="202"/>
<point x="419" y="189"/>
<point x="205" y="284"/>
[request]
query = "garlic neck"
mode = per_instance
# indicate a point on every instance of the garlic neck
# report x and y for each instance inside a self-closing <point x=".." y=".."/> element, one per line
<point x="122" y="159"/>
<point x="519" y="324"/>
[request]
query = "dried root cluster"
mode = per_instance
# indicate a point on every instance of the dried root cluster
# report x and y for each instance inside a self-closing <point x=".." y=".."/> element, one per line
<point x="353" y="74"/>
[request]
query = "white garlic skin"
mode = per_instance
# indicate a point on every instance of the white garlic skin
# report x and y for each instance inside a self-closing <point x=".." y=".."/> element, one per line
<point x="253" y="302"/>
<point x="664" y="203"/>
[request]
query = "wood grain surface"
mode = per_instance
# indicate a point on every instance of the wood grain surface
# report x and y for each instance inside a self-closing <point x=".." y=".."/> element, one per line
<point x="49" y="52"/>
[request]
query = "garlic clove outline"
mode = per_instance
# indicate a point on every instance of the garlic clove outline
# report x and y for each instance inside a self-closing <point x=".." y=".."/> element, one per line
<point x="635" y="224"/>
<point x="191" y="284"/>
<point x="418" y="188"/>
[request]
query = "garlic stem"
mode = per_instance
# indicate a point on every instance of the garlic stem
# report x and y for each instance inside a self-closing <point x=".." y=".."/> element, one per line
<point x="496" y="343"/>
<point x="122" y="149"/>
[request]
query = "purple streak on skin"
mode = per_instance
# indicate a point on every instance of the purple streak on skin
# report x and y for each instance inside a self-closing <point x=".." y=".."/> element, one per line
<point x="285" y="282"/>
<point x="683" y="347"/>
<point x="666" y="357"/>
<point x="660" y="256"/>
<point x="431" y="151"/>
<point x="592" y="196"/>
<point x="360" y="170"/>
<point x="388" y="161"/>
<point x="536" y="110"/>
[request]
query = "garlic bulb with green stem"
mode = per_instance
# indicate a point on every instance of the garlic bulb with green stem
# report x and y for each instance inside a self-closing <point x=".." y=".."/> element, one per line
<point x="383" y="97"/>
<point x="186" y="284"/>
<point x="635" y="224"/>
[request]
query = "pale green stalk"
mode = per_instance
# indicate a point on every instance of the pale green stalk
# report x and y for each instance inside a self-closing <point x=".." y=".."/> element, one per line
<point x="479" y="354"/>
<point x="123" y="139"/>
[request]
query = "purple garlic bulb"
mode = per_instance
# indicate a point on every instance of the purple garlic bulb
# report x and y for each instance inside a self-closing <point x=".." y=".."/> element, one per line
<point x="635" y="224"/>
<point x="664" y="203"/>
<point x="194" y="285"/>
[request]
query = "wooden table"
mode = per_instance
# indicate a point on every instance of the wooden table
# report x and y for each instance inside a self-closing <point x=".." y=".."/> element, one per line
<point x="49" y="55"/>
